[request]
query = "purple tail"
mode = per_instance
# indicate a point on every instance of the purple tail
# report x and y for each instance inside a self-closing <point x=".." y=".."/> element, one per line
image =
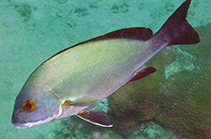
<point x="177" y="28"/>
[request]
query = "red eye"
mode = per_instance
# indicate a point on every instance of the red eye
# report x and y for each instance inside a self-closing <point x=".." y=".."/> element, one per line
<point x="29" y="106"/>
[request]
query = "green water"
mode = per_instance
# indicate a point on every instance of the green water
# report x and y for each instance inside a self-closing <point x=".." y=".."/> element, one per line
<point x="33" y="30"/>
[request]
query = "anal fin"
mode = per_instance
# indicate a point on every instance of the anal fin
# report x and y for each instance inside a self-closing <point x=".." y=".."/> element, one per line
<point x="95" y="116"/>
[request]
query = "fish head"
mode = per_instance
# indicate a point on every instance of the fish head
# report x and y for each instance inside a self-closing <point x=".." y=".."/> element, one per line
<point x="35" y="105"/>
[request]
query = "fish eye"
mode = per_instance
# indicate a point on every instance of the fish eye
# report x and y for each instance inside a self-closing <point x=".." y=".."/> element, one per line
<point x="29" y="106"/>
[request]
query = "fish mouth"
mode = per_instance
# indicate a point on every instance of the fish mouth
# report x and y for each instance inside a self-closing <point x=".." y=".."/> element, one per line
<point x="31" y="124"/>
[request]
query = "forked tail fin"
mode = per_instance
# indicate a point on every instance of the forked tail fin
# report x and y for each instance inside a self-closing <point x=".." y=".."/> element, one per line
<point x="177" y="28"/>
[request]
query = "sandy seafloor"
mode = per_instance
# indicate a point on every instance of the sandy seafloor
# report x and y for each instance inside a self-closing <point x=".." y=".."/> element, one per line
<point x="33" y="30"/>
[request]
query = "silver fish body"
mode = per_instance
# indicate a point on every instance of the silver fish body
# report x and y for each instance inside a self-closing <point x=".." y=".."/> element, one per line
<point x="71" y="81"/>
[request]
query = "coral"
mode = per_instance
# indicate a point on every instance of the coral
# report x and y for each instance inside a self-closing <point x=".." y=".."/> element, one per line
<point x="81" y="11"/>
<point x="24" y="9"/>
<point x="75" y="128"/>
<point x="120" y="8"/>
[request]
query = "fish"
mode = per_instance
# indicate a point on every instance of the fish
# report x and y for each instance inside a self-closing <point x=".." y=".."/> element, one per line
<point x="72" y="81"/>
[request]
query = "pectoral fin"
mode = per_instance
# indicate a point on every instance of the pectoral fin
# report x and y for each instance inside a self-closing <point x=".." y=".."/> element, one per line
<point x="81" y="101"/>
<point x="142" y="72"/>
<point x="95" y="116"/>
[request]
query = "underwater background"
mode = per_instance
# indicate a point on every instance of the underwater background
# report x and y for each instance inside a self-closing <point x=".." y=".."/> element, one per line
<point x="174" y="102"/>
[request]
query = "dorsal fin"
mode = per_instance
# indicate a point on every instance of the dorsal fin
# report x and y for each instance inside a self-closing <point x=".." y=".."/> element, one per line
<point x="137" y="33"/>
